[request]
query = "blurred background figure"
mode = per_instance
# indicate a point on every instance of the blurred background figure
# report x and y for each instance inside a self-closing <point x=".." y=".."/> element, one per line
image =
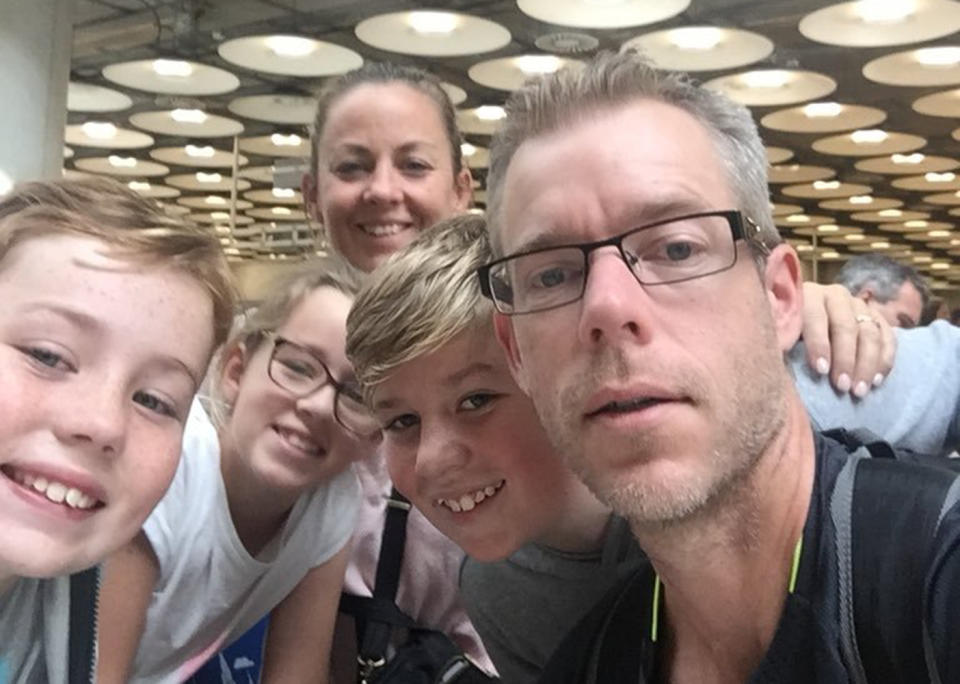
<point x="893" y="290"/>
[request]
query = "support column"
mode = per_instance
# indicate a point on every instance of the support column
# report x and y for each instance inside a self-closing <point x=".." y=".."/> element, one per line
<point x="36" y="39"/>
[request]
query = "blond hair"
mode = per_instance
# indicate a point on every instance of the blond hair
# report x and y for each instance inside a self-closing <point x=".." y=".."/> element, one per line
<point x="251" y="330"/>
<point x="419" y="299"/>
<point x="548" y="103"/>
<point x="107" y="210"/>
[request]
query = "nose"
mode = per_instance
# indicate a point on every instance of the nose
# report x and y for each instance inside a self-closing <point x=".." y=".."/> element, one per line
<point x="99" y="420"/>
<point x="383" y="185"/>
<point x="316" y="409"/>
<point x="615" y="307"/>
<point x="440" y="455"/>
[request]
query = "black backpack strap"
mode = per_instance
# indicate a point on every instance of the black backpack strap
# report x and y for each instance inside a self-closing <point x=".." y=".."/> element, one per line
<point x="84" y="593"/>
<point x="609" y="644"/>
<point x="373" y="633"/>
<point x="853" y="439"/>
<point x="884" y="544"/>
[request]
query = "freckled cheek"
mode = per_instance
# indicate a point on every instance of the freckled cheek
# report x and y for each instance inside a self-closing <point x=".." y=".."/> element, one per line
<point x="150" y="471"/>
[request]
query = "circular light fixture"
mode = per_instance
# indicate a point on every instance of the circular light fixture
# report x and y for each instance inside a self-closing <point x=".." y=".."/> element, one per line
<point x="172" y="68"/>
<point x="766" y="87"/>
<point x="432" y="33"/>
<point x="874" y="23"/>
<point x="99" y="130"/>
<point x="602" y="14"/>
<point x="289" y="55"/>
<point x="290" y="46"/>
<point x="172" y="76"/>
<point x="428" y="22"/>
<point x="194" y="116"/>
<point x="509" y="73"/>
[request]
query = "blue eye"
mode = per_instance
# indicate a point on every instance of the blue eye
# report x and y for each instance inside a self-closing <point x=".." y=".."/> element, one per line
<point x="46" y="358"/>
<point x="153" y="403"/>
<point x="678" y="251"/>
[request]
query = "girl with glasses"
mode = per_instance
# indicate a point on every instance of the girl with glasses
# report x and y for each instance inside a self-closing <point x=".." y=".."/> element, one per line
<point x="261" y="510"/>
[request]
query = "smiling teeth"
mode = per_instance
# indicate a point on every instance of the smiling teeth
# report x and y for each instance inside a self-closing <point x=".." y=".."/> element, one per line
<point x="467" y="502"/>
<point x="56" y="492"/>
<point x="384" y="229"/>
<point x="298" y="441"/>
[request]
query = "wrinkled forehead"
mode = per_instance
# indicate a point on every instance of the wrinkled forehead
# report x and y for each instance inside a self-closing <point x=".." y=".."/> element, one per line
<point x="621" y="164"/>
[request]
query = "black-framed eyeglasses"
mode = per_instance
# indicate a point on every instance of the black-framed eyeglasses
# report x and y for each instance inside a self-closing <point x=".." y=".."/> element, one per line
<point x="301" y="372"/>
<point x="660" y="253"/>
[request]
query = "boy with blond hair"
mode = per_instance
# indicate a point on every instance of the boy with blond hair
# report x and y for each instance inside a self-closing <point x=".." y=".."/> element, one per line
<point x="111" y="311"/>
<point x="463" y="444"/>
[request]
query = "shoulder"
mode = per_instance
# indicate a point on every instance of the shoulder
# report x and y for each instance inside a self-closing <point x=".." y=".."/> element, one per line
<point x="197" y="481"/>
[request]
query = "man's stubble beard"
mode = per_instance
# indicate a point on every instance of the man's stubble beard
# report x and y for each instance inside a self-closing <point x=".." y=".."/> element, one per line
<point x="746" y="421"/>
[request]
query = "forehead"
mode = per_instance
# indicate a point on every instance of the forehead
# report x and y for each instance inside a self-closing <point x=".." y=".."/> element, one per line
<point x="617" y="166"/>
<point x="320" y="320"/>
<point x="909" y="296"/>
<point x="471" y="356"/>
<point x="377" y="107"/>
<point x="158" y="309"/>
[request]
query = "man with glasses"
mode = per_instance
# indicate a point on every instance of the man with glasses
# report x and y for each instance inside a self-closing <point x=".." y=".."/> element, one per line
<point x="645" y="302"/>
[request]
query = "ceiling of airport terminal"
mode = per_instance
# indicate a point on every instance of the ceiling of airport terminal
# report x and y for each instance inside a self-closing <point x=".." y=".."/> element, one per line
<point x="873" y="57"/>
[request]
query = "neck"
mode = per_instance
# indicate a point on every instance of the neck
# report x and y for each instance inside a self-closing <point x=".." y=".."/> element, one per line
<point x="257" y="511"/>
<point x="580" y="524"/>
<point x="725" y="575"/>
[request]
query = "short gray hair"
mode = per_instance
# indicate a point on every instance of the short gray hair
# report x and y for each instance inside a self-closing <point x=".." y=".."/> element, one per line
<point x="883" y="275"/>
<point x="545" y="104"/>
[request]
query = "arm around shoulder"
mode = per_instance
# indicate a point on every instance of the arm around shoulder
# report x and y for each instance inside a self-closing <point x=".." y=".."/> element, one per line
<point x="129" y="576"/>
<point x="299" y="637"/>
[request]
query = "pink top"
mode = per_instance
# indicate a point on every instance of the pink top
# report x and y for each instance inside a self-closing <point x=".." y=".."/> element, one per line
<point x="429" y="578"/>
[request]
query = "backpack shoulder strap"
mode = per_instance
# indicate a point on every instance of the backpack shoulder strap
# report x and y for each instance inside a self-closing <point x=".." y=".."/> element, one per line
<point x="603" y="647"/>
<point x="376" y="616"/>
<point x="883" y="544"/>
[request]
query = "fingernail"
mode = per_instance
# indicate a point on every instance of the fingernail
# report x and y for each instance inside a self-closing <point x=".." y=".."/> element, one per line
<point x="861" y="389"/>
<point x="843" y="382"/>
<point x="823" y="366"/>
<point x="878" y="379"/>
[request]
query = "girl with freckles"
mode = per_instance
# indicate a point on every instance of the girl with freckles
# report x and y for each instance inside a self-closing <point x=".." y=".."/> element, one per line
<point x="260" y="513"/>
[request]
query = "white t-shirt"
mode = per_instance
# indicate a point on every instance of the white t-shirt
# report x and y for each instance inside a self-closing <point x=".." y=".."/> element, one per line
<point x="210" y="590"/>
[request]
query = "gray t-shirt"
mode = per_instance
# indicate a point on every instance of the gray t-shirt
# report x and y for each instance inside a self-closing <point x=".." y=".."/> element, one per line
<point x="917" y="406"/>
<point x="523" y="606"/>
<point x="34" y="624"/>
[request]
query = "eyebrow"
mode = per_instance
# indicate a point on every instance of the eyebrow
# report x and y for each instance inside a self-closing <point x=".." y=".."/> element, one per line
<point x="459" y="376"/>
<point x="363" y="150"/>
<point x="650" y="212"/>
<point x="454" y="378"/>
<point x="91" y="323"/>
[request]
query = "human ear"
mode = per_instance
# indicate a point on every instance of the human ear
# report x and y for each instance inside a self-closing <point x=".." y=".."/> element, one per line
<point x="233" y="368"/>
<point x="783" y="281"/>
<point x="463" y="189"/>
<point x="503" y="329"/>
<point x="308" y="190"/>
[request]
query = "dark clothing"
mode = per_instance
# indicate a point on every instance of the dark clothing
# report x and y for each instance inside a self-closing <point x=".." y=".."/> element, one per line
<point x="807" y="643"/>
